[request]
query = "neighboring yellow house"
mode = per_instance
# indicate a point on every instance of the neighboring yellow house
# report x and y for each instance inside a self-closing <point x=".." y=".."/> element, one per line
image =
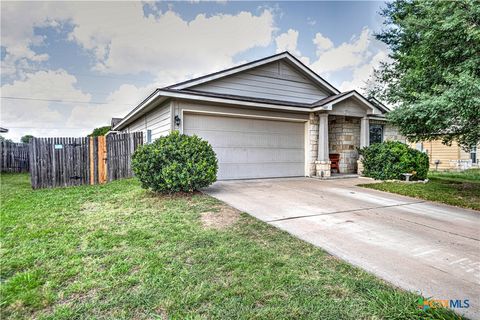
<point x="443" y="157"/>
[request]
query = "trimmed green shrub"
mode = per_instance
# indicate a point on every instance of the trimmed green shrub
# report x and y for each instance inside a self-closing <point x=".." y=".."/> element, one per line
<point x="175" y="163"/>
<point x="388" y="160"/>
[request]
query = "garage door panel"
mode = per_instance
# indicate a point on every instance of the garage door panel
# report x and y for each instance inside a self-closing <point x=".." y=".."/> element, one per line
<point x="231" y="124"/>
<point x="251" y="148"/>
<point x="254" y="170"/>
<point x="247" y="139"/>
<point x="259" y="155"/>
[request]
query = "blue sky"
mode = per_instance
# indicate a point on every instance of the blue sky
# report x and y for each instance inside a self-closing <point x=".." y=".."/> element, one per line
<point x="69" y="67"/>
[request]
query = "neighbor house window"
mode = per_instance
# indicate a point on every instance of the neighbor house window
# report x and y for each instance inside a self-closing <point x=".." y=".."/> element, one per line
<point x="376" y="133"/>
<point x="473" y="154"/>
<point x="149" y="136"/>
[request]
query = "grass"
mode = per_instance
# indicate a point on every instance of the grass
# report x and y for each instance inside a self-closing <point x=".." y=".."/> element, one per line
<point x="461" y="189"/>
<point x="117" y="251"/>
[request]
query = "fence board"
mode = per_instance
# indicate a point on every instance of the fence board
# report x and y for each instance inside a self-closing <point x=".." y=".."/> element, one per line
<point x="65" y="161"/>
<point x="14" y="157"/>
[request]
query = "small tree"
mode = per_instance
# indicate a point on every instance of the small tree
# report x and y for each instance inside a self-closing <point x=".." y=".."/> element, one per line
<point x="174" y="163"/>
<point x="26" y="138"/>
<point x="100" y="131"/>
<point x="389" y="160"/>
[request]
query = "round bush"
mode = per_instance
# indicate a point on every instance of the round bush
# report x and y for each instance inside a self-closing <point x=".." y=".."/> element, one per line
<point x="174" y="163"/>
<point x="388" y="160"/>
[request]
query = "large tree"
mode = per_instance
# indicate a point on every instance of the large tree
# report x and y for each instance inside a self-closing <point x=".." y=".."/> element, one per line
<point x="433" y="77"/>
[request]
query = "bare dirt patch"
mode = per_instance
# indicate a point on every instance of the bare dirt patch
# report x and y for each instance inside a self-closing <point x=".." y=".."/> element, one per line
<point x="221" y="219"/>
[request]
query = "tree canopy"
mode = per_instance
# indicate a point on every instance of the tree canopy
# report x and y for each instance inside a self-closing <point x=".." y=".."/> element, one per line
<point x="26" y="138"/>
<point x="433" y="77"/>
<point x="100" y="131"/>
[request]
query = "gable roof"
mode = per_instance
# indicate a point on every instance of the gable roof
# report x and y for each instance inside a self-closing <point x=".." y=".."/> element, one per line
<point x="287" y="56"/>
<point x="183" y="90"/>
<point x="329" y="101"/>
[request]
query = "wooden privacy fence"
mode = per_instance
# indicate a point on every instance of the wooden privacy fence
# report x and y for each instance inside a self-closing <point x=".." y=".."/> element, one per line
<point x="61" y="162"/>
<point x="14" y="157"/>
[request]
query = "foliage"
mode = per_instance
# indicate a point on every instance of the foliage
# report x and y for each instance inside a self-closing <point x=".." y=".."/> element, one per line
<point x="115" y="251"/>
<point x="388" y="160"/>
<point x="175" y="163"/>
<point x="26" y="138"/>
<point x="2" y="138"/>
<point x="433" y="76"/>
<point x="461" y="189"/>
<point x="101" y="131"/>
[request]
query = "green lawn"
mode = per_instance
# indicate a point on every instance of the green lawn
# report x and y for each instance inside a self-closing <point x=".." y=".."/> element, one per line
<point x="460" y="189"/>
<point x="117" y="251"/>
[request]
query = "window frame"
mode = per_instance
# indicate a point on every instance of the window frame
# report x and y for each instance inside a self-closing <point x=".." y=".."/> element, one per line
<point x="381" y="127"/>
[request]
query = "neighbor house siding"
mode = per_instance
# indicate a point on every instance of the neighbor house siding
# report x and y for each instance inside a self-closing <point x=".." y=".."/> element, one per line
<point x="276" y="80"/>
<point x="158" y="120"/>
<point x="449" y="157"/>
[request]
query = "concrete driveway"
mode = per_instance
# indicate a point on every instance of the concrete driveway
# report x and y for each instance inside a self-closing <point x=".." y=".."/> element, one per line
<point x="417" y="245"/>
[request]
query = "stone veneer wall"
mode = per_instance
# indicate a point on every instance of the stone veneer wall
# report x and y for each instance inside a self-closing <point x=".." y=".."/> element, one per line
<point x="313" y="147"/>
<point x="344" y="138"/>
<point x="390" y="132"/>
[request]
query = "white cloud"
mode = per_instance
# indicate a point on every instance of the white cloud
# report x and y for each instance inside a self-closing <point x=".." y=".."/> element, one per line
<point x="118" y="104"/>
<point x="123" y="40"/>
<point x="363" y="72"/>
<point x="35" y="115"/>
<point x="76" y="115"/>
<point x="322" y="43"/>
<point x="348" y="54"/>
<point x="288" y="42"/>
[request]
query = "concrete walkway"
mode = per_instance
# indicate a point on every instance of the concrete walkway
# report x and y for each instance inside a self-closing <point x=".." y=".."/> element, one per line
<point x="417" y="245"/>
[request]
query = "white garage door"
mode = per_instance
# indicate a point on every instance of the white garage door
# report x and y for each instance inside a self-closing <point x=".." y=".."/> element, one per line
<point x="251" y="148"/>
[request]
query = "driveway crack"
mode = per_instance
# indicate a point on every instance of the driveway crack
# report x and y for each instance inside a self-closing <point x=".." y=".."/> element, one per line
<point x="344" y="211"/>
<point x="372" y="208"/>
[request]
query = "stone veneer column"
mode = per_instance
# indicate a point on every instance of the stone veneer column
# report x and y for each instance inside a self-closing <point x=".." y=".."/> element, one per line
<point x="313" y="147"/>
<point x="364" y="140"/>
<point x="322" y="165"/>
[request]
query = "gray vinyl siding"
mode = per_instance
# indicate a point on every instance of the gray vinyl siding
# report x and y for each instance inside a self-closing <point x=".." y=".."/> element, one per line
<point x="158" y="120"/>
<point x="276" y="80"/>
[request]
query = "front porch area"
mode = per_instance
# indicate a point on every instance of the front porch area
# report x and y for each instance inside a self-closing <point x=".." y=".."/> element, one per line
<point x="339" y="138"/>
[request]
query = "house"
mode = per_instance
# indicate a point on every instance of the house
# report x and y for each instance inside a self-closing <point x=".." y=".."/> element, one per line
<point x="272" y="117"/>
<point x="448" y="158"/>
